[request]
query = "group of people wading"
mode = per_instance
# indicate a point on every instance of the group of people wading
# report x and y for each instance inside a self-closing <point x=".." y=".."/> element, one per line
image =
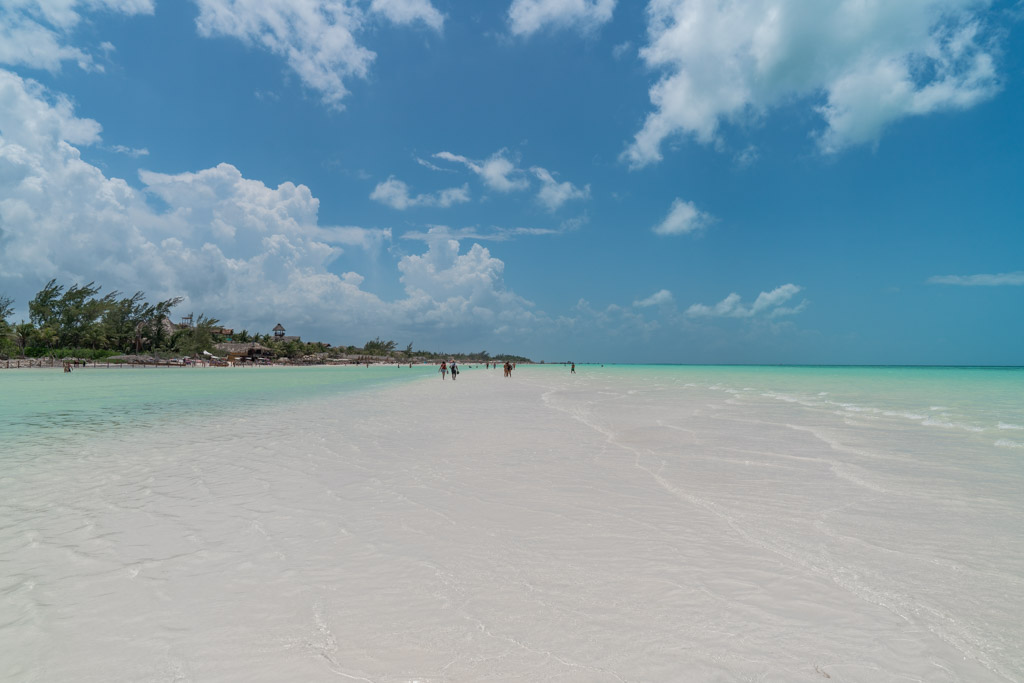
<point x="454" y="369"/>
<point x="509" y="367"/>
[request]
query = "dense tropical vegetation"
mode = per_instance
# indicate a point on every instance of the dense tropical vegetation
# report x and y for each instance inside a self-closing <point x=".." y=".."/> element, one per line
<point x="80" y="322"/>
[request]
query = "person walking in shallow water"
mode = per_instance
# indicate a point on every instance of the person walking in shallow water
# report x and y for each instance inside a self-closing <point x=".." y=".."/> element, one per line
<point x="573" y="371"/>
<point x="443" y="369"/>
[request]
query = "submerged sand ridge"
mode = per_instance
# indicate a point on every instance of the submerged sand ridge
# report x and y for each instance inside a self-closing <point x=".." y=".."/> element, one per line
<point x="545" y="527"/>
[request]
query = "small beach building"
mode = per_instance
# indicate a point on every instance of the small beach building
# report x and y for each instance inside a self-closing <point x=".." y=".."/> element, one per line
<point x="243" y="352"/>
<point x="280" y="336"/>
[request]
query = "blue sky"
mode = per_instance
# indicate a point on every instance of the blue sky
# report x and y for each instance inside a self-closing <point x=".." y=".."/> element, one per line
<point x="768" y="181"/>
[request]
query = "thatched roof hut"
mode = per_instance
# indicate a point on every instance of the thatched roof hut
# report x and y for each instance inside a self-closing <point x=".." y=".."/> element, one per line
<point x="242" y="350"/>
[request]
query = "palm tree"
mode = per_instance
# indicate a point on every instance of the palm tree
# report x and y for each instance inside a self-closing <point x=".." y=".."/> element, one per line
<point x="22" y="334"/>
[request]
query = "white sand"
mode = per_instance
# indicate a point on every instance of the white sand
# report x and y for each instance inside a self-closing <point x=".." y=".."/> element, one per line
<point x="544" y="528"/>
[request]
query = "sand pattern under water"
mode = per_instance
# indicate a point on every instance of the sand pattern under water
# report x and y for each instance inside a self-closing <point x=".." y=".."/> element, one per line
<point x="613" y="525"/>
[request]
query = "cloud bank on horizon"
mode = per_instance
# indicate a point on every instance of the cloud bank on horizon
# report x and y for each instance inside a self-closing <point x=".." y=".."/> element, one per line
<point x="226" y="241"/>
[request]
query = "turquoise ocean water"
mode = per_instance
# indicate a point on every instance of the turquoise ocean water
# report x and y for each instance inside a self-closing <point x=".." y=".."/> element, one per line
<point x="966" y="398"/>
<point x="41" y="407"/>
<point x="37" y="406"/>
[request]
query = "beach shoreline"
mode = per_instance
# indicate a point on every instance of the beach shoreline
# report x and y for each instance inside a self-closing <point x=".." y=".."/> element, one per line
<point x="78" y="364"/>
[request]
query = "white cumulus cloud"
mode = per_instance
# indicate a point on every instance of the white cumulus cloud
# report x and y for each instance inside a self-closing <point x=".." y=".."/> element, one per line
<point x="497" y="171"/>
<point x="36" y="33"/>
<point x="317" y="38"/>
<point x="683" y="217"/>
<point x="233" y="246"/>
<point x="863" y="65"/>
<point x="526" y="17"/>
<point x="443" y="273"/>
<point x="553" y="194"/>
<point x="409" y="11"/>
<point x="662" y="296"/>
<point x="767" y="303"/>
<point x="395" y="193"/>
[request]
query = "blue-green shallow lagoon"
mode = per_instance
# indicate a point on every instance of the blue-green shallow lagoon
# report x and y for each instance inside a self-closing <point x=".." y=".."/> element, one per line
<point x="962" y="398"/>
<point x="43" y="406"/>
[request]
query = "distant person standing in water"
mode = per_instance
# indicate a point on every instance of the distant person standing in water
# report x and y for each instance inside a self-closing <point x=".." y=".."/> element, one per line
<point x="573" y="371"/>
<point x="443" y="369"/>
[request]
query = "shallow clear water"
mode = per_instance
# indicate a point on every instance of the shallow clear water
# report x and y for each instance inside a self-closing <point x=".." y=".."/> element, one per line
<point x="623" y="523"/>
<point x="904" y="485"/>
<point x="988" y="402"/>
<point x="39" y="408"/>
<point x="36" y="405"/>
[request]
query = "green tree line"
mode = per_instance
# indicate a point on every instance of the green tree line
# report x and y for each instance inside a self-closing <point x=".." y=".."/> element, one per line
<point x="80" y="318"/>
<point x="79" y="321"/>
